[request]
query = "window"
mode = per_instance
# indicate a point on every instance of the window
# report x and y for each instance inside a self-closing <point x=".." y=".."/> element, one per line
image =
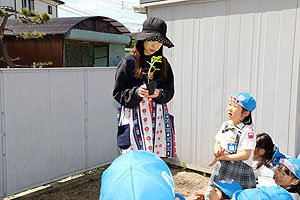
<point x="50" y="10"/>
<point x="31" y="4"/>
<point x="24" y="4"/>
<point x="28" y="4"/>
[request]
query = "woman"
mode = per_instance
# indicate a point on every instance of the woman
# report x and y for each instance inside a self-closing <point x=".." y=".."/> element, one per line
<point x="143" y="119"/>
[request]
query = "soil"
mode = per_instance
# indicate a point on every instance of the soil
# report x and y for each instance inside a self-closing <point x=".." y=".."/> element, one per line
<point x="87" y="186"/>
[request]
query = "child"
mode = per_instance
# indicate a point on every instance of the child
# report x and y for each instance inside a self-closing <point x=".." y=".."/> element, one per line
<point x="262" y="156"/>
<point x="138" y="175"/>
<point x="224" y="189"/>
<point x="264" y="193"/>
<point x="286" y="177"/>
<point x="143" y="119"/>
<point x="235" y="143"/>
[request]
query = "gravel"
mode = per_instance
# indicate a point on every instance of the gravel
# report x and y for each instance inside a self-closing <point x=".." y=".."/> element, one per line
<point x="87" y="186"/>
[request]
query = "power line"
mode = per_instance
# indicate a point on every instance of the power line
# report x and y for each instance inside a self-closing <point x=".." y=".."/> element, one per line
<point x="70" y="11"/>
<point x="77" y="10"/>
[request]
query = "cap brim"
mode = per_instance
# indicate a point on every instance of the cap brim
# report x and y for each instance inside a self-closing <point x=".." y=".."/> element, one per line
<point x="236" y="194"/>
<point x="143" y="36"/>
<point x="179" y="196"/>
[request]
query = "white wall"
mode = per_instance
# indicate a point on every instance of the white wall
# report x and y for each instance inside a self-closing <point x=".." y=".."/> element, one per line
<point x="42" y="7"/>
<point x="7" y="3"/>
<point x="226" y="47"/>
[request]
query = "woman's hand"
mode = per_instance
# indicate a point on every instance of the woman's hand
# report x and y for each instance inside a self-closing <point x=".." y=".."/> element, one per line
<point x="143" y="92"/>
<point x="156" y="93"/>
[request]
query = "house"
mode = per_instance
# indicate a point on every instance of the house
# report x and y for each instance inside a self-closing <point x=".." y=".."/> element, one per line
<point x="40" y="6"/>
<point x="70" y="42"/>
<point x="223" y="47"/>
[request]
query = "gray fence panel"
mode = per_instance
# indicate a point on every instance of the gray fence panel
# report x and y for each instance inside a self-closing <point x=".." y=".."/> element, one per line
<point x="67" y="122"/>
<point x="27" y="127"/>
<point x="57" y="123"/>
<point x="1" y="139"/>
<point x="102" y="117"/>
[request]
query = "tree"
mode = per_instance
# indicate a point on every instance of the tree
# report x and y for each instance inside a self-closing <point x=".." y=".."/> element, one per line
<point x="25" y="16"/>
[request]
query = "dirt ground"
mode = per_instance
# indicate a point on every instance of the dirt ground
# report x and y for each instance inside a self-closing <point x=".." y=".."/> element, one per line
<point x="88" y="186"/>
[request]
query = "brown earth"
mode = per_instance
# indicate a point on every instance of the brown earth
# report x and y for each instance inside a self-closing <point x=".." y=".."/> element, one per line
<point x="87" y="186"/>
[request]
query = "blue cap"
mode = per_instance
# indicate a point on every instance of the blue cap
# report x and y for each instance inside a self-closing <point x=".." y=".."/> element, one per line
<point x="179" y="196"/>
<point x="137" y="175"/>
<point x="292" y="164"/>
<point x="245" y="100"/>
<point x="277" y="156"/>
<point x="264" y="193"/>
<point x="229" y="187"/>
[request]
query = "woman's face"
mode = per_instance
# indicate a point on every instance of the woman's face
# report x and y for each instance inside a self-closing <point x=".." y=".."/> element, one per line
<point x="215" y="194"/>
<point x="283" y="179"/>
<point x="235" y="112"/>
<point x="150" y="47"/>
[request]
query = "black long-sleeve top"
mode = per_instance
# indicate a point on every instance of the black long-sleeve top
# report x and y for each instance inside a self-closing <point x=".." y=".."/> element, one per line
<point x="126" y="85"/>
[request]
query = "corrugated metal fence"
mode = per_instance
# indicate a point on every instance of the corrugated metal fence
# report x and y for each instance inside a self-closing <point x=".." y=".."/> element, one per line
<point x="227" y="46"/>
<point x="54" y="123"/>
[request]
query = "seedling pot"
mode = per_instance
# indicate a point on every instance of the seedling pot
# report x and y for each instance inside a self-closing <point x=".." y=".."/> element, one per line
<point x="151" y="86"/>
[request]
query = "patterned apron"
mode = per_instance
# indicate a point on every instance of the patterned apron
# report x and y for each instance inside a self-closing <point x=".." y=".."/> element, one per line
<point x="148" y="126"/>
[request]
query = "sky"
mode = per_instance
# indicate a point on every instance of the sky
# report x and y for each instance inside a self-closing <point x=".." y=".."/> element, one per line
<point x="119" y="10"/>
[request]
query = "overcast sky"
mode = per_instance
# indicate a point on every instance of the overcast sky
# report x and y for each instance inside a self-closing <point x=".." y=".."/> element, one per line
<point x="119" y="10"/>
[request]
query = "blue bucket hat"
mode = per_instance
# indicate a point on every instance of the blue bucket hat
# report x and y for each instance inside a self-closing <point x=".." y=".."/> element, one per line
<point x="292" y="164"/>
<point x="229" y="187"/>
<point x="138" y="175"/>
<point x="264" y="193"/>
<point x="277" y="156"/>
<point x="245" y="100"/>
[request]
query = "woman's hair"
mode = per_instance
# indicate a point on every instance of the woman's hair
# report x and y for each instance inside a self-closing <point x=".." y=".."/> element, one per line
<point x="247" y="120"/>
<point x="138" y="53"/>
<point x="264" y="141"/>
<point x="293" y="188"/>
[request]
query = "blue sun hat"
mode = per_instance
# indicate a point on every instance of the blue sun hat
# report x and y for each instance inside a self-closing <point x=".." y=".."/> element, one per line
<point x="138" y="175"/>
<point x="277" y="156"/>
<point x="263" y="193"/>
<point x="229" y="187"/>
<point x="245" y="100"/>
<point x="293" y="164"/>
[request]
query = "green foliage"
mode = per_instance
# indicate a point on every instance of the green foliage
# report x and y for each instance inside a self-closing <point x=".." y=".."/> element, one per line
<point x="41" y="64"/>
<point x="31" y="16"/>
<point x="131" y="44"/>
<point x="2" y="12"/>
<point x="152" y="69"/>
<point x="25" y="16"/>
<point x="30" y="35"/>
<point x="183" y="165"/>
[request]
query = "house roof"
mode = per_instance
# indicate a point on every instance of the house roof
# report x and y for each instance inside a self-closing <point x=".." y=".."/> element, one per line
<point x="63" y="25"/>
<point x="58" y="1"/>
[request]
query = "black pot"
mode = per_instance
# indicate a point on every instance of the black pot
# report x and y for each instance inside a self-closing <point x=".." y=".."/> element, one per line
<point x="151" y="86"/>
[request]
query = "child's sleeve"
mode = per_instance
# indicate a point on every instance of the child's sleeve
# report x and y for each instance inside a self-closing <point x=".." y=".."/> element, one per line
<point x="248" y="139"/>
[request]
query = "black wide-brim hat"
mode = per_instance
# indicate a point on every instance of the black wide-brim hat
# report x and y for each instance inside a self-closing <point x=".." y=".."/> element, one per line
<point x="154" y="29"/>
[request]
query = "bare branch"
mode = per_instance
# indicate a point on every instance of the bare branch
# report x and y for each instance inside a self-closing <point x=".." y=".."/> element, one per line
<point x="15" y="59"/>
<point x="7" y="29"/>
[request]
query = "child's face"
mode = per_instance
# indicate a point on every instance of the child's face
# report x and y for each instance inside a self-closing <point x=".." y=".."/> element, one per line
<point x="234" y="112"/>
<point x="258" y="152"/>
<point x="215" y="194"/>
<point x="150" y="47"/>
<point x="283" y="179"/>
